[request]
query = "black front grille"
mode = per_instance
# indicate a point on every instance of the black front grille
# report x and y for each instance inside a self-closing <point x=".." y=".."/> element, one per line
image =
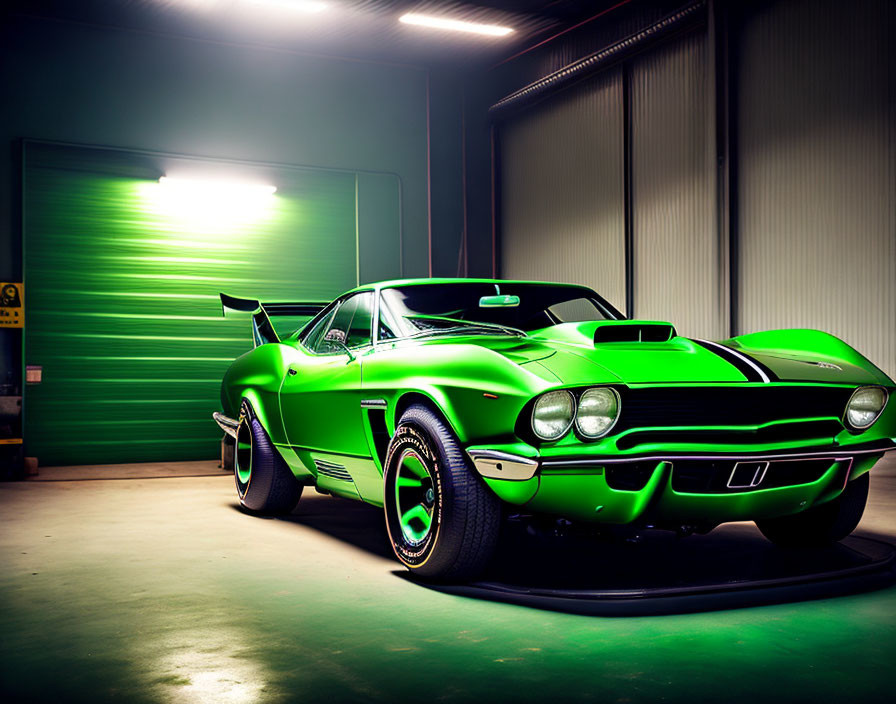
<point x="725" y="405"/>
<point x="711" y="476"/>
<point x="823" y="430"/>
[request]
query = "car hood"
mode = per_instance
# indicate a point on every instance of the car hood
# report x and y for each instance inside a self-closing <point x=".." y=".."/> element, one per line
<point x="569" y="354"/>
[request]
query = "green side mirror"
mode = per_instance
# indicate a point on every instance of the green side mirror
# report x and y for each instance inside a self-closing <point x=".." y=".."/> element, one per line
<point x="499" y="301"/>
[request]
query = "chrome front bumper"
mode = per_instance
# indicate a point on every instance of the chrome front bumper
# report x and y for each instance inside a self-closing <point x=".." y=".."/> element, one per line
<point x="228" y="425"/>
<point x="497" y="464"/>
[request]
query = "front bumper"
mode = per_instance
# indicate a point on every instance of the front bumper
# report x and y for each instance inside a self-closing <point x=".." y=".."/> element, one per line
<point x="676" y="487"/>
<point x="227" y="424"/>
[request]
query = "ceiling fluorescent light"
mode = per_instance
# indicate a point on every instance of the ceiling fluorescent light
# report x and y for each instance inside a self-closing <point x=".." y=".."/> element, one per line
<point x="491" y="30"/>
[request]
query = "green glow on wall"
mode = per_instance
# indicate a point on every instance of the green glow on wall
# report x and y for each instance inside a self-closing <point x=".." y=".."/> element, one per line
<point x="122" y="281"/>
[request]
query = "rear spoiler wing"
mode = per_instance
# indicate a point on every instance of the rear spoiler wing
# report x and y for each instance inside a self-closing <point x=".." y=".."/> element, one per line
<point x="262" y="330"/>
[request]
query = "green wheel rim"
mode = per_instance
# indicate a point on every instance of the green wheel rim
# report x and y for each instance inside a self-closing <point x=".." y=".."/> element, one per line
<point x="243" y="454"/>
<point x="414" y="498"/>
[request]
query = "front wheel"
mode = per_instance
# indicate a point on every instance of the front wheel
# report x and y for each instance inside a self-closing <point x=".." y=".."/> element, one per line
<point x="264" y="482"/>
<point x="820" y="525"/>
<point x="442" y="520"/>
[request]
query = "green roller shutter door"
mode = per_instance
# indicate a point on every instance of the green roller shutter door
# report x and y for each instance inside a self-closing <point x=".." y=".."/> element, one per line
<point x="122" y="275"/>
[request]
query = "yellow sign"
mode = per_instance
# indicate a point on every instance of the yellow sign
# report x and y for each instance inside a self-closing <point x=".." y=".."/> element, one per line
<point x="12" y="305"/>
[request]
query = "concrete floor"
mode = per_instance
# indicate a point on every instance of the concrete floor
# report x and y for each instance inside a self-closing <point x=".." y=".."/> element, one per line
<point x="157" y="590"/>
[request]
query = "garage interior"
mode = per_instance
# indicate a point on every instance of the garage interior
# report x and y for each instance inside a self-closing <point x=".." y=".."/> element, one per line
<point x="726" y="165"/>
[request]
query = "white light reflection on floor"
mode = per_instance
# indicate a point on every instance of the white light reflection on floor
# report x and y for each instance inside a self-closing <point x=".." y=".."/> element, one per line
<point x="214" y="673"/>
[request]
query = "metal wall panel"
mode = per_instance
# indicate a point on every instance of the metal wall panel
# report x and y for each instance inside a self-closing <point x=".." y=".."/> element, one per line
<point x="122" y="280"/>
<point x="676" y="251"/>
<point x="816" y="225"/>
<point x="562" y="207"/>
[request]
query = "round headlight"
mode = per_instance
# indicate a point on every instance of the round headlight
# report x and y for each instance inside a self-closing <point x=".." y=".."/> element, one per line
<point x="865" y="406"/>
<point x="598" y="411"/>
<point x="552" y="415"/>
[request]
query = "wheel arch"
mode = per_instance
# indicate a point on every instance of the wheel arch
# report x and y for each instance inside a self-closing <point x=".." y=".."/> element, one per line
<point x="410" y="398"/>
<point x="258" y="408"/>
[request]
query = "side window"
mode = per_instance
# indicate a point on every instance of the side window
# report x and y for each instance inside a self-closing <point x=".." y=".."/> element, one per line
<point x="385" y="332"/>
<point x="358" y="333"/>
<point x="312" y="339"/>
<point x="349" y="326"/>
<point x="386" y="324"/>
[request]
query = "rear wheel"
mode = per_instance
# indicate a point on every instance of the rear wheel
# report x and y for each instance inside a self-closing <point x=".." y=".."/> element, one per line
<point x="821" y="525"/>
<point x="443" y="521"/>
<point x="264" y="481"/>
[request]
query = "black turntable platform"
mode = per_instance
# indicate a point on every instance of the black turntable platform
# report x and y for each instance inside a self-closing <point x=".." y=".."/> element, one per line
<point x="658" y="572"/>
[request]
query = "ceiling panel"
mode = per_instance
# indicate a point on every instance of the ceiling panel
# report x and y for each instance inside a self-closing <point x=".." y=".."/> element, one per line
<point x="358" y="28"/>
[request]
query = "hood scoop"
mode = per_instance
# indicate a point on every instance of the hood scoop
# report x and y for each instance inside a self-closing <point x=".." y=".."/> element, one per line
<point x="633" y="331"/>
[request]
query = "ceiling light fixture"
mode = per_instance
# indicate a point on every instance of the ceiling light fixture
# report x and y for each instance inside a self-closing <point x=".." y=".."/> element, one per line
<point x="491" y="30"/>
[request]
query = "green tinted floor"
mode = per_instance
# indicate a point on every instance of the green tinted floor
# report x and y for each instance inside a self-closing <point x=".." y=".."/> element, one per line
<point x="162" y="590"/>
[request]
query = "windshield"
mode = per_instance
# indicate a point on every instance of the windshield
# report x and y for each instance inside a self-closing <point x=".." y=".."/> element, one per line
<point x="486" y="308"/>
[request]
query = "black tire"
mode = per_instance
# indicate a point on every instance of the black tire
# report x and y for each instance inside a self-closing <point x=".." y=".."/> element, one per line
<point x="821" y="525"/>
<point x="464" y="515"/>
<point x="264" y="482"/>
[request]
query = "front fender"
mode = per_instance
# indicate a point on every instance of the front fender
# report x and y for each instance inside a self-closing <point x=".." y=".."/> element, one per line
<point x="787" y="351"/>
<point x="474" y="415"/>
<point x="479" y="392"/>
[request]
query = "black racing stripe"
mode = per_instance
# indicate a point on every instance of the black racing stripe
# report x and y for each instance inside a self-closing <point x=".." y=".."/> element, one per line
<point x="735" y="361"/>
<point x="768" y="372"/>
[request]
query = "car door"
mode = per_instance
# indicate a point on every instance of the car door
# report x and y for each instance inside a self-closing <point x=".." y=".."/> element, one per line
<point x="320" y="398"/>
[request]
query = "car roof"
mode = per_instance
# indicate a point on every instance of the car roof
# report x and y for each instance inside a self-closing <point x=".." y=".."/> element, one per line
<point x="394" y="283"/>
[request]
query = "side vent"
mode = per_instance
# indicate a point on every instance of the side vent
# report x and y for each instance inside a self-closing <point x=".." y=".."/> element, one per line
<point x="377" y="419"/>
<point x="646" y="332"/>
<point x="332" y="470"/>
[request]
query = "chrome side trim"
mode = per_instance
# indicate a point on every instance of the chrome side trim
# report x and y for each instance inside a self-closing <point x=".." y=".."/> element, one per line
<point x="373" y="403"/>
<point x="842" y="453"/>
<point x="228" y="425"/>
<point x="502" y="465"/>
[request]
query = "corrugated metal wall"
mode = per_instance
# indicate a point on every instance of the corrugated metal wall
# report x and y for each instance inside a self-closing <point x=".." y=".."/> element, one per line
<point x="676" y="249"/>
<point x="562" y="206"/>
<point x="816" y="227"/>
<point x="563" y="189"/>
<point x="122" y="279"/>
<point x="812" y="163"/>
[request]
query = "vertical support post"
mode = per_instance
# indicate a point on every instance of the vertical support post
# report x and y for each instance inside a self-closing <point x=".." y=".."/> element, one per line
<point x="495" y="200"/>
<point x="726" y="134"/>
<point x="629" y="205"/>
<point x="428" y="181"/>
<point x="465" y="261"/>
<point x="357" y="235"/>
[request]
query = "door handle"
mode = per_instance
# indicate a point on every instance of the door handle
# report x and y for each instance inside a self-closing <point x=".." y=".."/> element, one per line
<point x="292" y="372"/>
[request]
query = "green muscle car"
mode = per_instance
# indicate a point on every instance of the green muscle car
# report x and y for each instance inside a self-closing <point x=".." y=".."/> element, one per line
<point x="448" y="401"/>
